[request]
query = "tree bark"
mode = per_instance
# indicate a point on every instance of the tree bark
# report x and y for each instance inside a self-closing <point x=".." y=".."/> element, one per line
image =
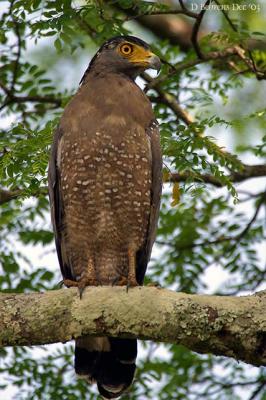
<point x="222" y="325"/>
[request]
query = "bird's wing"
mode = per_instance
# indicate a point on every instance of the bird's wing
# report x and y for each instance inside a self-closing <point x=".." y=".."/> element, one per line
<point x="143" y="255"/>
<point x="57" y="207"/>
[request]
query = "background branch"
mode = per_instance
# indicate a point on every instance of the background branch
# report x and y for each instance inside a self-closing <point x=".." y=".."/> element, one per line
<point x="11" y="98"/>
<point x="8" y="195"/>
<point x="195" y="31"/>
<point x="248" y="171"/>
<point x="183" y="65"/>
<point x="19" y="45"/>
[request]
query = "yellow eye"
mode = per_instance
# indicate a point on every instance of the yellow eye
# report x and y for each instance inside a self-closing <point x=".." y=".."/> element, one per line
<point x="126" y="49"/>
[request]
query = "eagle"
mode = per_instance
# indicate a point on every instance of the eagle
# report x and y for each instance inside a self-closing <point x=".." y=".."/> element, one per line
<point x="105" y="179"/>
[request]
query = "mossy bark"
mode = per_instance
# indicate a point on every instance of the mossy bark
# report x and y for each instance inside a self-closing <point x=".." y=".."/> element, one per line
<point x="222" y="325"/>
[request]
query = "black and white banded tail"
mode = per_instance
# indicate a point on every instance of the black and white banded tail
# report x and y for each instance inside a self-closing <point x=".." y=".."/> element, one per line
<point x="109" y="362"/>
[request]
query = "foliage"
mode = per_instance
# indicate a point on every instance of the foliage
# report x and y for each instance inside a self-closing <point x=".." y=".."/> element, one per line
<point x="206" y="221"/>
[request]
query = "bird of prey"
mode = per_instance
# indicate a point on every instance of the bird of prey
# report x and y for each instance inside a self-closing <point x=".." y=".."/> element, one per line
<point x="105" y="187"/>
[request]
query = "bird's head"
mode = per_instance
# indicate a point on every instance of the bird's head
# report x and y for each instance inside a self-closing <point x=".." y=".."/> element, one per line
<point x="124" y="54"/>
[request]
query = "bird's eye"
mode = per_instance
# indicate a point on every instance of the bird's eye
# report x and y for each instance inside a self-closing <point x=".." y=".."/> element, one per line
<point x="126" y="49"/>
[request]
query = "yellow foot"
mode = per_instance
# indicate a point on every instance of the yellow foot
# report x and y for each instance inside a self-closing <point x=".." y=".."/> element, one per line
<point x="121" y="281"/>
<point x="69" y="283"/>
<point x="124" y="281"/>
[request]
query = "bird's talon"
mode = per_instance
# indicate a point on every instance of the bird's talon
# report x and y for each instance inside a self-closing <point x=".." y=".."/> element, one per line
<point x="154" y="284"/>
<point x="88" y="282"/>
<point x="115" y="282"/>
<point x="122" y="281"/>
<point x="131" y="282"/>
<point x="81" y="290"/>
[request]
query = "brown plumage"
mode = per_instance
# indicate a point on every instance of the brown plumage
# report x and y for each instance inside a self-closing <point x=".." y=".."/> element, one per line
<point x="105" y="186"/>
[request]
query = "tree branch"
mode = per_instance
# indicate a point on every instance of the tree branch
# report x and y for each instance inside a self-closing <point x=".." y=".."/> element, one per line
<point x="169" y="100"/>
<point x="19" y="46"/>
<point x="176" y="29"/>
<point x="8" y="195"/>
<point x="28" y="99"/>
<point x="261" y="201"/>
<point x="248" y="172"/>
<point x="259" y="389"/>
<point x="169" y="11"/>
<point x="229" y="326"/>
<point x="183" y="65"/>
<point x="195" y="30"/>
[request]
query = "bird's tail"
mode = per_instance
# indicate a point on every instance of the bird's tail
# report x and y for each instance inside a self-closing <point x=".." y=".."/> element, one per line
<point x="109" y="362"/>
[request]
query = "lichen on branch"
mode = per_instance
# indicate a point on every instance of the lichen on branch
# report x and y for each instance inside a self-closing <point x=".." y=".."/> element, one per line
<point x="221" y="325"/>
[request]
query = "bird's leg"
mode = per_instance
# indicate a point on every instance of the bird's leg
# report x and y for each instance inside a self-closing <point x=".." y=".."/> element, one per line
<point x="131" y="277"/>
<point x="88" y="277"/>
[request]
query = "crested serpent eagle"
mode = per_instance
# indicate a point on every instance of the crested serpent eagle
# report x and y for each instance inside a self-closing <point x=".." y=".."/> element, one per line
<point x="105" y="187"/>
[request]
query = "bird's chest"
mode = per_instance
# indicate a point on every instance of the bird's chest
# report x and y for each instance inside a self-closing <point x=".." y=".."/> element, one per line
<point x="108" y="176"/>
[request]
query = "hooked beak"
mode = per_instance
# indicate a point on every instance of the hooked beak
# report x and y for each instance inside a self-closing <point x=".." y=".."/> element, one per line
<point x="154" y="62"/>
<point x="145" y="59"/>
